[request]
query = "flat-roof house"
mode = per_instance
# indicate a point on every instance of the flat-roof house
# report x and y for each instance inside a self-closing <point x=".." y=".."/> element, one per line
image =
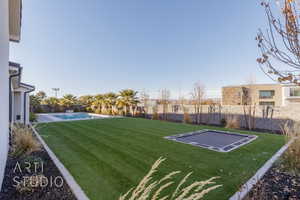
<point x="261" y="94"/>
<point x="14" y="94"/>
<point x="18" y="95"/>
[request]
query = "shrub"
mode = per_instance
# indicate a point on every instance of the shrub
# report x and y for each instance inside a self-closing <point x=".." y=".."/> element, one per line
<point x="23" y="141"/>
<point x="223" y="122"/>
<point x="150" y="189"/>
<point x="32" y="117"/>
<point x="291" y="158"/>
<point x="186" y="116"/>
<point x="232" y="122"/>
<point x="155" y="115"/>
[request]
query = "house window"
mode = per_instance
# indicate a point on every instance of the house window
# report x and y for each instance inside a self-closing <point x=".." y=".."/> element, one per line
<point x="267" y="103"/>
<point x="295" y="92"/>
<point x="266" y="94"/>
<point x="175" y="108"/>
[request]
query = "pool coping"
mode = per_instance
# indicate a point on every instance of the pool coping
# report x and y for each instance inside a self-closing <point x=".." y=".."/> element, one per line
<point x="247" y="187"/>
<point x="235" y="145"/>
<point x="74" y="186"/>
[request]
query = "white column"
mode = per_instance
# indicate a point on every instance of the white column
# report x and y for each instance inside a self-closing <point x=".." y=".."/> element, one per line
<point x="13" y="97"/>
<point x="27" y="109"/>
<point x="21" y="106"/>
<point x="4" y="77"/>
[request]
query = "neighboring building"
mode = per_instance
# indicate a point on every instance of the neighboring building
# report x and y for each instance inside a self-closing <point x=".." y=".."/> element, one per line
<point x="261" y="94"/>
<point x="14" y="106"/>
<point x="18" y="96"/>
<point x="291" y="94"/>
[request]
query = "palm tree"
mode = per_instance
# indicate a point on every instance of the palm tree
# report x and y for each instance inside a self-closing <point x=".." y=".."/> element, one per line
<point x="97" y="104"/>
<point x="68" y="100"/>
<point x="41" y="94"/>
<point x="129" y="99"/>
<point x="35" y="103"/>
<point x="52" y="102"/>
<point x="87" y="101"/>
<point x="110" y="100"/>
<point x="120" y="105"/>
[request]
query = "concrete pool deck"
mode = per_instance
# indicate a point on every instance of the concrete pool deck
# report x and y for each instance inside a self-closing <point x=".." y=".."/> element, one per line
<point x="53" y="117"/>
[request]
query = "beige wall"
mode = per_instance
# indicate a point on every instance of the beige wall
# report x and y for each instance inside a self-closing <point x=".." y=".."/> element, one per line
<point x="232" y="95"/>
<point x="269" y="119"/>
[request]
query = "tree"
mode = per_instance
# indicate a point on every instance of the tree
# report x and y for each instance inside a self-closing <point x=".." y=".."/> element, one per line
<point x="197" y="100"/>
<point x="128" y="98"/>
<point x="249" y="106"/>
<point x="68" y="100"/>
<point x="52" y="102"/>
<point x="164" y="100"/>
<point x="145" y="101"/>
<point x="41" y="94"/>
<point x="87" y="101"/>
<point x="35" y="103"/>
<point x="280" y="43"/>
<point x="109" y="102"/>
<point x="98" y="103"/>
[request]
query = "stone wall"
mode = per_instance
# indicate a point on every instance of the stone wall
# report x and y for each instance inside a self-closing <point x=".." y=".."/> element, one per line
<point x="266" y="118"/>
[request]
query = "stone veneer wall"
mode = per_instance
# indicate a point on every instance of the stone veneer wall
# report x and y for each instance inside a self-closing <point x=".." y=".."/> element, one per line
<point x="263" y="119"/>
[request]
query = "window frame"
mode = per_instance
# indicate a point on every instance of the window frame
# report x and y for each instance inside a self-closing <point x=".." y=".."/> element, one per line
<point x="272" y="92"/>
<point x="292" y="91"/>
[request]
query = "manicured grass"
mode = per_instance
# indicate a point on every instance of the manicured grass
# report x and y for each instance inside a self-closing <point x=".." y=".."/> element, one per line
<point x="109" y="156"/>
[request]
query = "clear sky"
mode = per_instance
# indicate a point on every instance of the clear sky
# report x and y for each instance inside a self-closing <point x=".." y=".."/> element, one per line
<point x="96" y="46"/>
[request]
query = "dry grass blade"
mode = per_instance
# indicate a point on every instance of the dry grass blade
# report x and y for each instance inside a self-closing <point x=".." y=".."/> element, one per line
<point x="151" y="190"/>
<point x="291" y="158"/>
<point x="123" y="197"/>
<point x="233" y="122"/>
<point x="201" y="194"/>
<point x="23" y="141"/>
<point x="146" y="179"/>
<point x="157" y="193"/>
<point x="181" y="183"/>
<point x="169" y="176"/>
<point x="187" y="190"/>
<point x="207" y="182"/>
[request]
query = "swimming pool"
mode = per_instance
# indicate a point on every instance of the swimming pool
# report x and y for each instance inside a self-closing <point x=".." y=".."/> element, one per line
<point x="71" y="116"/>
<point x="56" y="117"/>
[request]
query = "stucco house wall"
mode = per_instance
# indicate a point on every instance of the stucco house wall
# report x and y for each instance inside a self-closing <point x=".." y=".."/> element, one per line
<point x="4" y="77"/>
<point x="233" y="95"/>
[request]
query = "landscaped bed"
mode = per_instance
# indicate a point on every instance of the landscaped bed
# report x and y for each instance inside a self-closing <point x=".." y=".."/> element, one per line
<point x="25" y="167"/>
<point x="277" y="183"/>
<point x="107" y="157"/>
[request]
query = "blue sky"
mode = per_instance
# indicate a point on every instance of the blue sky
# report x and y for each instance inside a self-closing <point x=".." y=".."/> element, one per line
<point x="96" y="46"/>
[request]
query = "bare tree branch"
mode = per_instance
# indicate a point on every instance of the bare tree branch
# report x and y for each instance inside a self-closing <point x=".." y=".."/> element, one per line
<point x="281" y="42"/>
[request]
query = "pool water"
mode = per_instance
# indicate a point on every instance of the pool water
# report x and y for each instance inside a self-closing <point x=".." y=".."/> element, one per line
<point x="74" y="116"/>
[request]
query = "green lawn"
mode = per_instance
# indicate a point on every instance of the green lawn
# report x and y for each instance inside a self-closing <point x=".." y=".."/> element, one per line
<point x="109" y="156"/>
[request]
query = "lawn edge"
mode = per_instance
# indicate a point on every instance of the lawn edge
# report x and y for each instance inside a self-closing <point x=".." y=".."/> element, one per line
<point x="74" y="186"/>
<point x="246" y="188"/>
